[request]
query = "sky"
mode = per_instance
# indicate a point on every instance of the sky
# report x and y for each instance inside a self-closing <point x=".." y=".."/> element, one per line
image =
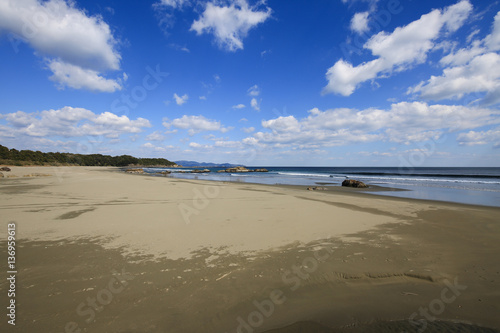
<point x="272" y="83"/>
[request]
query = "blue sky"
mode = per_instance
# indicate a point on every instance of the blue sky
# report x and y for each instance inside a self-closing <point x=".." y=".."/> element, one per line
<point x="316" y="83"/>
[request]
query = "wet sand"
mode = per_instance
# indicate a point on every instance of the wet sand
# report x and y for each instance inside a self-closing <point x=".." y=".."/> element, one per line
<point x="104" y="251"/>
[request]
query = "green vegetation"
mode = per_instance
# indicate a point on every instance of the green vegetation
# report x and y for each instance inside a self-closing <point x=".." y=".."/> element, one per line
<point x="29" y="157"/>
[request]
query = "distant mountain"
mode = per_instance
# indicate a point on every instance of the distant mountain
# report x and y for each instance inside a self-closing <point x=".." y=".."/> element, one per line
<point x="205" y="164"/>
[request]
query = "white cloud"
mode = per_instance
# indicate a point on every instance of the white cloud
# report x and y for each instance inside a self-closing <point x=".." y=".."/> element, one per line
<point x="397" y="51"/>
<point x="493" y="40"/>
<point x="155" y="136"/>
<point x="480" y="138"/>
<point x="78" y="46"/>
<point x="253" y="91"/>
<point x="239" y="106"/>
<point x="359" y="22"/>
<point x="403" y="123"/>
<point x="227" y="144"/>
<point x="248" y="129"/>
<point x="230" y="24"/>
<point x="196" y="145"/>
<point x="160" y="149"/>
<point x="476" y="76"/>
<point x="196" y="124"/>
<point x="181" y="99"/>
<point x="70" y="122"/>
<point x="80" y="78"/>
<point x="255" y="104"/>
<point x="463" y="55"/>
<point x="467" y="71"/>
<point x="226" y="129"/>
<point x="174" y="3"/>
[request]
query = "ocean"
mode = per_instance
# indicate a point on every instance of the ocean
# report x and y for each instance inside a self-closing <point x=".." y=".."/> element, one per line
<point x="478" y="186"/>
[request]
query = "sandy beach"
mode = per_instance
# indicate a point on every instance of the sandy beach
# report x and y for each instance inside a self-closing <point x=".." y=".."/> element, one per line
<point x="99" y="250"/>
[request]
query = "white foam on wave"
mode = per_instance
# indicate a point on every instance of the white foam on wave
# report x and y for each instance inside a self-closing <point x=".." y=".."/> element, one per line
<point x="166" y="169"/>
<point x="431" y="180"/>
<point x="303" y="174"/>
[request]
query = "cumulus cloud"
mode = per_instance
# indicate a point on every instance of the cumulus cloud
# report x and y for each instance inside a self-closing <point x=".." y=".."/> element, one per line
<point x="78" y="47"/>
<point x="239" y="106"/>
<point x="181" y="99"/>
<point x="359" y="22"/>
<point x="475" y="76"/>
<point x="397" y="51"/>
<point x="403" y="123"/>
<point x="67" y="75"/>
<point x="472" y="138"/>
<point x="155" y="136"/>
<point x="230" y="24"/>
<point x="196" y="124"/>
<point x="70" y="122"/>
<point x="467" y="70"/>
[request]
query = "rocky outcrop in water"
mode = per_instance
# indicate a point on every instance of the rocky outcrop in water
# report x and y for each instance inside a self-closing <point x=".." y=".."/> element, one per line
<point x="200" y="171"/>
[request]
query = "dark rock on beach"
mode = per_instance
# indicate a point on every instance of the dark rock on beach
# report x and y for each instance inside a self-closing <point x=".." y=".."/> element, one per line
<point x="354" y="183"/>
<point x="316" y="188"/>
<point x="7" y="169"/>
<point x="134" y="171"/>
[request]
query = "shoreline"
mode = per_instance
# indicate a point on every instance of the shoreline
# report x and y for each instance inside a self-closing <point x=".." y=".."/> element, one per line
<point x="344" y="260"/>
<point x="373" y="190"/>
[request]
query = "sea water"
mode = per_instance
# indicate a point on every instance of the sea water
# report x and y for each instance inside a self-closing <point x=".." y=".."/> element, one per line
<point x="469" y="185"/>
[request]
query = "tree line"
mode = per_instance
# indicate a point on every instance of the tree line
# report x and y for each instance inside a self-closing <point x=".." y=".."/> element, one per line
<point x="29" y="157"/>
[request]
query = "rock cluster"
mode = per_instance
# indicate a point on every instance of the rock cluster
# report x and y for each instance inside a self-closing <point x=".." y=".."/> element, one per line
<point x="7" y="169"/>
<point x="200" y="171"/>
<point x="354" y="183"/>
<point x="135" y="171"/>
<point x="316" y="188"/>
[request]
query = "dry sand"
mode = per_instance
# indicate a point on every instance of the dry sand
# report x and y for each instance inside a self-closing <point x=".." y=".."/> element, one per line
<point x="198" y="256"/>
